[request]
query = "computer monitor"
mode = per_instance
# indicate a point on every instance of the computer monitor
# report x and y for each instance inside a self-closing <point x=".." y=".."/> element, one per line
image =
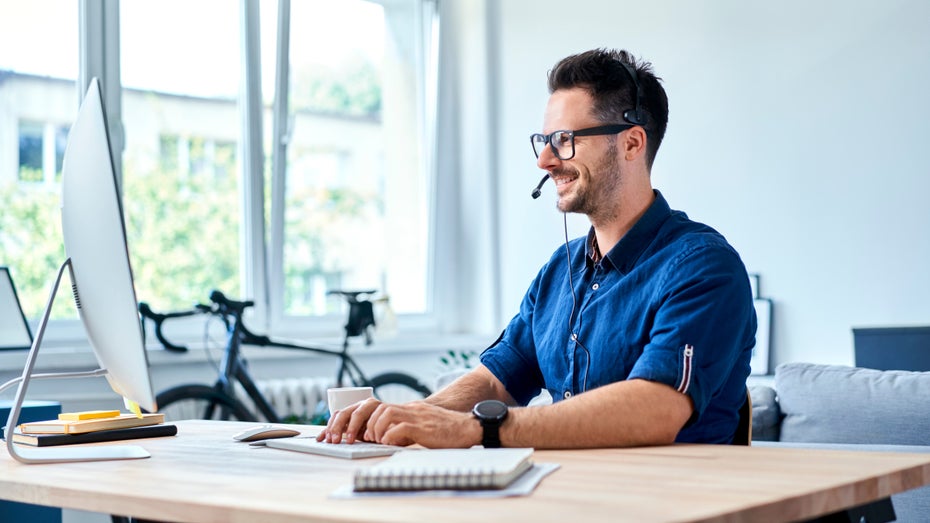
<point x="892" y="348"/>
<point x="14" y="330"/>
<point x="98" y="260"/>
<point x="95" y="241"/>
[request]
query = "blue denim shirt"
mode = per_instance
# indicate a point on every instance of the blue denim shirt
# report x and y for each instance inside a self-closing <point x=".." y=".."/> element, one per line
<point x="670" y="303"/>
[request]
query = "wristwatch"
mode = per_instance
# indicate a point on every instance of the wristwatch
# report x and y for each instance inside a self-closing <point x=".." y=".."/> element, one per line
<point x="491" y="414"/>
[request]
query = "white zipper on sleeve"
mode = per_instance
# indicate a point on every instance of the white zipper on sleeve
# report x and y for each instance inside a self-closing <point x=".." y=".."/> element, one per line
<point x="686" y="370"/>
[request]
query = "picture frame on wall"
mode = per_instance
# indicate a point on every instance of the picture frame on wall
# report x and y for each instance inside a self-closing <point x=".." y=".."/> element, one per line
<point x="761" y="353"/>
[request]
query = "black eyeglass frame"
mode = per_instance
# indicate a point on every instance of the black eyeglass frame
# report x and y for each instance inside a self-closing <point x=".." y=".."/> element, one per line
<point x="589" y="131"/>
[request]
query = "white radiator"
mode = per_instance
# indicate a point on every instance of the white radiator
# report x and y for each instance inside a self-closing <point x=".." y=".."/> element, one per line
<point x="299" y="397"/>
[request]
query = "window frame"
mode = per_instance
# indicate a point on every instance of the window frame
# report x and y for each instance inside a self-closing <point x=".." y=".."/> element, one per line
<point x="277" y="321"/>
<point x="262" y="269"/>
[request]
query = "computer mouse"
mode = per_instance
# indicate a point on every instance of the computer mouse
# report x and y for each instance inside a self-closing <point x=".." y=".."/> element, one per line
<point x="265" y="432"/>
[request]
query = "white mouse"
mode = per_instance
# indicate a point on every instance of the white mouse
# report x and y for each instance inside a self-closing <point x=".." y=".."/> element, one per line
<point x="264" y="432"/>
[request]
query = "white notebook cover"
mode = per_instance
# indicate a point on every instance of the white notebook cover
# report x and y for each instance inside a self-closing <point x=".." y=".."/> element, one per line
<point x="429" y="469"/>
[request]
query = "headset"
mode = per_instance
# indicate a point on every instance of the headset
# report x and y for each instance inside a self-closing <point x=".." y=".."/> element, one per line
<point x="635" y="116"/>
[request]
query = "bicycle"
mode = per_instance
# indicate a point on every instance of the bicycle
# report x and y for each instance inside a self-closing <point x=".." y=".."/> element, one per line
<point x="220" y="400"/>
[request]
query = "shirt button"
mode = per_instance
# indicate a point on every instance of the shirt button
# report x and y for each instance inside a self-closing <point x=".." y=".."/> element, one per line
<point x="595" y="286"/>
<point x="568" y="394"/>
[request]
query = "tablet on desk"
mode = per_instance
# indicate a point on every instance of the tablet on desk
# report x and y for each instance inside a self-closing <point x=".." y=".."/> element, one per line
<point x="356" y="450"/>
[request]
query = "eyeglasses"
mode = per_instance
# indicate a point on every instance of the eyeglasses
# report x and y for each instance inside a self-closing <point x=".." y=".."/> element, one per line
<point x="563" y="142"/>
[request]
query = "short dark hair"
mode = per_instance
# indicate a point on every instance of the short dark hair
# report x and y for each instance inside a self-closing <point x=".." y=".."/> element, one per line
<point x="602" y="74"/>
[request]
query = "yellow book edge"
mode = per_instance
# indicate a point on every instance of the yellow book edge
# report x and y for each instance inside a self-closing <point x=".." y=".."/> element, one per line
<point x="88" y="414"/>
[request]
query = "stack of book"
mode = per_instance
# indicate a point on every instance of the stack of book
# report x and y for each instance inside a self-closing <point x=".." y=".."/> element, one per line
<point x="91" y="427"/>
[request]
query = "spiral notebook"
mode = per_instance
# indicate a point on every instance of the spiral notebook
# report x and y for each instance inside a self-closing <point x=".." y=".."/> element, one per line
<point x="441" y="469"/>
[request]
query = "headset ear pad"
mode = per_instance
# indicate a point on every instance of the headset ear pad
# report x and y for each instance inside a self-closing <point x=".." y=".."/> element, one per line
<point x="635" y="117"/>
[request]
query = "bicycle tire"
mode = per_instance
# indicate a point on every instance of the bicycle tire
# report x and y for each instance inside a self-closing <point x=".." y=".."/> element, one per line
<point x="397" y="387"/>
<point x="198" y="402"/>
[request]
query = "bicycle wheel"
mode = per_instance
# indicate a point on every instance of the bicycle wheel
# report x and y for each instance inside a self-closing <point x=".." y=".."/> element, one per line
<point x="200" y="402"/>
<point x="397" y="387"/>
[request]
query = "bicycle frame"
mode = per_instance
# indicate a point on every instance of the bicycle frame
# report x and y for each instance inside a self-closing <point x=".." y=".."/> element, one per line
<point x="233" y="363"/>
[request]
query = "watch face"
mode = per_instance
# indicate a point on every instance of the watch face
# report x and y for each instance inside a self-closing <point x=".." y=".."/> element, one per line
<point x="491" y="409"/>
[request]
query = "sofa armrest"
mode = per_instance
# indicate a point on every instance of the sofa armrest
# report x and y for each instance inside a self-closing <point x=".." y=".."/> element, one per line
<point x="766" y="416"/>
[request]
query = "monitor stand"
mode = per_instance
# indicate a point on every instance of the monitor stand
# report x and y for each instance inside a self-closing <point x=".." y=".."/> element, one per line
<point x="57" y="455"/>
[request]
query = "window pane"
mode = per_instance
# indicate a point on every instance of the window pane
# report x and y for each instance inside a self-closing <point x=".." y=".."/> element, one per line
<point x="180" y="165"/>
<point x="38" y="101"/>
<point x="356" y="200"/>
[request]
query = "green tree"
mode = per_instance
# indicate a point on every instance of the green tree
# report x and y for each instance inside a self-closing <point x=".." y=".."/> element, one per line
<point x="354" y="88"/>
<point x="183" y="222"/>
<point x="31" y="245"/>
<point x="183" y="234"/>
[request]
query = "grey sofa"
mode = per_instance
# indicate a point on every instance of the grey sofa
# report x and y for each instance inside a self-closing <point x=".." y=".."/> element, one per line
<point x="838" y="407"/>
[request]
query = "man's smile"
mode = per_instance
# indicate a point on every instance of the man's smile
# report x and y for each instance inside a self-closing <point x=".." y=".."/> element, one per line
<point x="562" y="179"/>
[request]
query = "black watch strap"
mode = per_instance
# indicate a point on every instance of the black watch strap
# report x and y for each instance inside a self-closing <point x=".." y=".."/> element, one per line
<point x="491" y="415"/>
<point x="492" y="435"/>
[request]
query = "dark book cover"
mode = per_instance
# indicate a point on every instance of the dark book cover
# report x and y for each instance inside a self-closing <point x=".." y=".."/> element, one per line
<point x="48" y="440"/>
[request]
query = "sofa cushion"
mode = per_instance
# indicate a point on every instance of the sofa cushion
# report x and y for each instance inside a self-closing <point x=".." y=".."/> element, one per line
<point x="838" y="404"/>
<point x="765" y="413"/>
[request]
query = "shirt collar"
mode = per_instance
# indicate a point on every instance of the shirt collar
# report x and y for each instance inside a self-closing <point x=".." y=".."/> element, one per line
<point x="624" y="254"/>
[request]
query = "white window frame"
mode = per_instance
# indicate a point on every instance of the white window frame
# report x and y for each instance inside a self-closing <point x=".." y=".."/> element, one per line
<point x="279" y="323"/>
<point x="99" y="49"/>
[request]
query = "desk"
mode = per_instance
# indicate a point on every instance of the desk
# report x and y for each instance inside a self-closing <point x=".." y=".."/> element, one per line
<point x="201" y="475"/>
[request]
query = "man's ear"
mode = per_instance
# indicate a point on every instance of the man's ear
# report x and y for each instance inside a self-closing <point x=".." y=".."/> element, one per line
<point x="633" y="143"/>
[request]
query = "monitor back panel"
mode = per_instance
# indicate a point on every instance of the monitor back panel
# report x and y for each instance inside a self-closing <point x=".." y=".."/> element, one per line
<point x="893" y="348"/>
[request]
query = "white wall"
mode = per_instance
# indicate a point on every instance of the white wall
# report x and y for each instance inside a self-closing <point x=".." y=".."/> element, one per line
<point x="797" y="129"/>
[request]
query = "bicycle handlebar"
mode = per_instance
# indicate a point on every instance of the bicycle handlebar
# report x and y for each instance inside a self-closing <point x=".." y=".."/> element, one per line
<point x="222" y="301"/>
<point x="351" y="296"/>
<point x="159" y="319"/>
<point x="361" y="317"/>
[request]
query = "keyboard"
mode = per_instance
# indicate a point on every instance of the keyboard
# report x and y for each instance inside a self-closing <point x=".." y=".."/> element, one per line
<point x="358" y="450"/>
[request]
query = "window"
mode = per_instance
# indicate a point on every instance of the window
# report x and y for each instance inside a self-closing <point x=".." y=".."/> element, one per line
<point x="41" y="151"/>
<point x="37" y="103"/>
<point x="346" y="200"/>
<point x="352" y="211"/>
<point x="30" y="152"/>
<point x="180" y="169"/>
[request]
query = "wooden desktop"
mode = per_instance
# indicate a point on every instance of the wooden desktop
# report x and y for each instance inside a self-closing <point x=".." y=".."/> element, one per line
<point x="202" y="475"/>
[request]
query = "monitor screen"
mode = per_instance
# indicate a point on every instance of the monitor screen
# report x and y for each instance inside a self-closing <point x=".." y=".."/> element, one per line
<point x="95" y="241"/>
<point x="14" y="331"/>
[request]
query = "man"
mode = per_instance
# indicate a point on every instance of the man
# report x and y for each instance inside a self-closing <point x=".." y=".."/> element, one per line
<point x="641" y="332"/>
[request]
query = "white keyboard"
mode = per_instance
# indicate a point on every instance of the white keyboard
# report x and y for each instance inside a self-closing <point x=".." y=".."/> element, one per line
<point x="358" y="450"/>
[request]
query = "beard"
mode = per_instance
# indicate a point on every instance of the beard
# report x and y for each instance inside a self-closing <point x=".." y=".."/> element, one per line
<point x="595" y="193"/>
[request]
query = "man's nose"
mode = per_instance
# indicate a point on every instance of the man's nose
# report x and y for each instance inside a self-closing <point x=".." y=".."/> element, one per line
<point x="547" y="160"/>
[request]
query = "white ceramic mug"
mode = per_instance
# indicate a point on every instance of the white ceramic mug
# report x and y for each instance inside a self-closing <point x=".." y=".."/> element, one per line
<point x="339" y="398"/>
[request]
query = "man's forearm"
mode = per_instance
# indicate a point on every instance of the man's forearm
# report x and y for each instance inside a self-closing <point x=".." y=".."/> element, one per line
<point x="624" y="414"/>
<point x="477" y="385"/>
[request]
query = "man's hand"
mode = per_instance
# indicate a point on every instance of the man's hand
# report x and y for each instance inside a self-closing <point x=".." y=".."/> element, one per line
<point x="422" y="423"/>
<point x="349" y="422"/>
<point x="416" y="422"/>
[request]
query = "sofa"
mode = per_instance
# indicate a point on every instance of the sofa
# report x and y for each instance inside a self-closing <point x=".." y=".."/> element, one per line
<point x="839" y="407"/>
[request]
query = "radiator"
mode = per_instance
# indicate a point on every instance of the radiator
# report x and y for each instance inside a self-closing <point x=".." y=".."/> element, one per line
<point x="301" y="397"/>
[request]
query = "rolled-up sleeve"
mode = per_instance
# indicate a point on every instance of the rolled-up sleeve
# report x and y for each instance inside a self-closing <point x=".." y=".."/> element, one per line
<point x="512" y="359"/>
<point x="703" y="325"/>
